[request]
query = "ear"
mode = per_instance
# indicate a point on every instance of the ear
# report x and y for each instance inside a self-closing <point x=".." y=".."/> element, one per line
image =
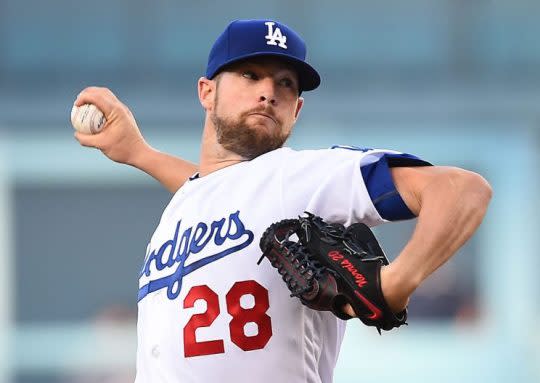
<point x="298" y="107"/>
<point x="206" y="90"/>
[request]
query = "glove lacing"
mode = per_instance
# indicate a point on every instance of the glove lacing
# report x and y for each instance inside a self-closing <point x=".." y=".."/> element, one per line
<point x="299" y="259"/>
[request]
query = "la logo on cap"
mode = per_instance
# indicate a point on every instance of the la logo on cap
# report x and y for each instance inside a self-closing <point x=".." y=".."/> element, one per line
<point x="244" y="39"/>
<point x="275" y="35"/>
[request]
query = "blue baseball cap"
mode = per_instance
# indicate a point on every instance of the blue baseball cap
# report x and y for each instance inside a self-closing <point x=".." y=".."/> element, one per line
<point x="243" y="39"/>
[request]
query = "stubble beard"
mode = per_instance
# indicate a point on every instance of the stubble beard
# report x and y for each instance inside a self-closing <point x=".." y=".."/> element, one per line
<point x="237" y="136"/>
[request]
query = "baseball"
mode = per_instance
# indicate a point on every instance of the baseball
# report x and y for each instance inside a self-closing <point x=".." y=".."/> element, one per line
<point x="87" y="119"/>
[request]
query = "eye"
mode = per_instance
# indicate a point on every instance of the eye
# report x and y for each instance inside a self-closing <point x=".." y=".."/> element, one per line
<point x="249" y="75"/>
<point x="288" y="82"/>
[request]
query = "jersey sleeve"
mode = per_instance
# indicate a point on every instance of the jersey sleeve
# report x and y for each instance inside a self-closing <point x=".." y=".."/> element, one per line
<point x="346" y="184"/>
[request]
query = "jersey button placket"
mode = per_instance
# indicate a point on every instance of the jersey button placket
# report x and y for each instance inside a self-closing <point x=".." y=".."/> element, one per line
<point x="155" y="351"/>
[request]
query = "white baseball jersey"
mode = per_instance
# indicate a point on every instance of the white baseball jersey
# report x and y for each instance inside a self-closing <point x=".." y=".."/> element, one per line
<point x="207" y="311"/>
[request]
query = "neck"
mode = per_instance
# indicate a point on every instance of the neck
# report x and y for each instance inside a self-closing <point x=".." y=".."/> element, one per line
<point x="213" y="156"/>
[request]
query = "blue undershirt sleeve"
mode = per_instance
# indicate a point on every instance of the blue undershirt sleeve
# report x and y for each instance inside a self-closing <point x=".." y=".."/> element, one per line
<point x="381" y="188"/>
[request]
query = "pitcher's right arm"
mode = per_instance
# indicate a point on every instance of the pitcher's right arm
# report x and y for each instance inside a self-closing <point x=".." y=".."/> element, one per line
<point x="121" y="141"/>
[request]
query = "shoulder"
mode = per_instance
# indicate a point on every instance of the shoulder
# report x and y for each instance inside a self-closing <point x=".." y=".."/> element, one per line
<point x="288" y="154"/>
<point x="342" y="152"/>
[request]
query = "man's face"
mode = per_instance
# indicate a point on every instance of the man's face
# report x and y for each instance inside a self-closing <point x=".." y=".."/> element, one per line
<point x="256" y="105"/>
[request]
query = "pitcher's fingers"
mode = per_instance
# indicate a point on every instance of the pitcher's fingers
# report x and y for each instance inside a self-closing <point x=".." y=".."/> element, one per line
<point x="103" y="98"/>
<point x="347" y="309"/>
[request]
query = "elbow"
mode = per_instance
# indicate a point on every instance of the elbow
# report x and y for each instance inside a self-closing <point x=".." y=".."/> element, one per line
<point x="487" y="191"/>
<point x="475" y="192"/>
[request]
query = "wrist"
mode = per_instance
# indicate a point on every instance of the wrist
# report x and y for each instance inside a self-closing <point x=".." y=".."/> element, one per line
<point x="396" y="288"/>
<point x="142" y="154"/>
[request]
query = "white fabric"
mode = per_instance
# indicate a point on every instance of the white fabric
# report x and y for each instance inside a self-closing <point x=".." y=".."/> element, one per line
<point x="304" y="344"/>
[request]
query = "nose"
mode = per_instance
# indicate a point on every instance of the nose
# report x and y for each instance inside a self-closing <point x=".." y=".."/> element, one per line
<point x="267" y="92"/>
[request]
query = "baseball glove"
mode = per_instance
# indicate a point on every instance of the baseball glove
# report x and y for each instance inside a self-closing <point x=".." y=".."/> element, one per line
<point x="327" y="265"/>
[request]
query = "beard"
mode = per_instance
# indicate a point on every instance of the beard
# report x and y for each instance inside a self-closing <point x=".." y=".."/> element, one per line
<point x="237" y="136"/>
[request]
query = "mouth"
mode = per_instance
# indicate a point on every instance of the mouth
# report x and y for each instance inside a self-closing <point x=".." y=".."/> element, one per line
<point x="262" y="114"/>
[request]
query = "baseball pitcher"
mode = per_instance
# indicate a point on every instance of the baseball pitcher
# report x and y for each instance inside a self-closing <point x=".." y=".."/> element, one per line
<point x="210" y="308"/>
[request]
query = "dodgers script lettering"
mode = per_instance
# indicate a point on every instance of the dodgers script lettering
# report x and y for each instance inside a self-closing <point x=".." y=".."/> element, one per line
<point x="173" y="253"/>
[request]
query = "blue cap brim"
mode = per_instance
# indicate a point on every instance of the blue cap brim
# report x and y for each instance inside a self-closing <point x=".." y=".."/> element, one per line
<point x="308" y="77"/>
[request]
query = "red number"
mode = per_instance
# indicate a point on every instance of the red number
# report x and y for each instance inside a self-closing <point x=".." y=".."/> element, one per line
<point x="241" y="317"/>
<point x="256" y="314"/>
<point x="191" y="346"/>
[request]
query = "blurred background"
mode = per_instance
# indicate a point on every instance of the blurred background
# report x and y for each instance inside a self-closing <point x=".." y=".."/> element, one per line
<point x="456" y="82"/>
